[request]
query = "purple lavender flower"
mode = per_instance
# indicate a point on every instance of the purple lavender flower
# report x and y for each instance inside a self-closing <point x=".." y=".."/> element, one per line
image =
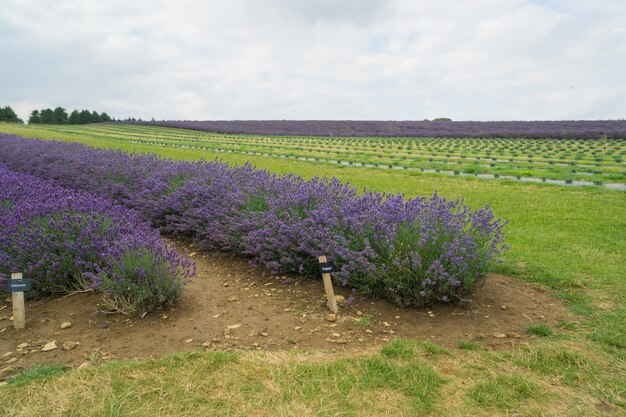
<point x="65" y="240"/>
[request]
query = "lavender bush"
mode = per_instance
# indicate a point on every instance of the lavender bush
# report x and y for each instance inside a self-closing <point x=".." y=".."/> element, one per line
<point x="565" y="129"/>
<point x="411" y="252"/>
<point x="66" y="240"/>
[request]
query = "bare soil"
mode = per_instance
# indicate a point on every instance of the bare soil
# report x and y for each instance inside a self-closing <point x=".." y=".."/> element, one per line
<point x="230" y="305"/>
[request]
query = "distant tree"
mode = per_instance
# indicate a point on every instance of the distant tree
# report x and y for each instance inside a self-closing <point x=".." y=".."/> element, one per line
<point x="442" y="119"/>
<point x="95" y="117"/>
<point x="8" y="115"/>
<point x="84" y="117"/>
<point x="60" y="116"/>
<point x="74" y="118"/>
<point x="105" y="117"/>
<point x="34" y="117"/>
<point x="47" y="116"/>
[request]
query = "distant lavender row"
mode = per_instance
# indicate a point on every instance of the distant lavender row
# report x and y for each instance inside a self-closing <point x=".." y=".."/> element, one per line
<point x="583" y="129"/>
<point x="412" y="252"/>
<point x="65" y="240"/>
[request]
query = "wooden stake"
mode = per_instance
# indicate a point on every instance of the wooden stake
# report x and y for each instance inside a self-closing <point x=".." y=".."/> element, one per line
<point x="19" y="313"/>
<point x="328" y="285"/>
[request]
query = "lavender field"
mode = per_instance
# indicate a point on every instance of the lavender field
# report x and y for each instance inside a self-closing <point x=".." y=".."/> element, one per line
<point x="406" y="243"/>
<point x="412" y="252"/>
<point x="583" y="129"/>
<point x="576" y="162"/>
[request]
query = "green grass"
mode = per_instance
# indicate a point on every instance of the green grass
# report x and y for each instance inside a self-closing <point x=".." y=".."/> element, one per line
<point x="504" y="392"/>
<point x="540" y="330"/>
<point x="571" y="239"/>
<point x="366" y="321"/>
<point x="403" y="378"/>
<point x="468" y="345"/>
<point x="37" y="373"/>
<point x="410" y="349"/>
<point x="222" y="384"/>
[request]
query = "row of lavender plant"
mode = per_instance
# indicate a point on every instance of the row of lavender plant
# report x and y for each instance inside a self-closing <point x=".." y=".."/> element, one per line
<point x="567" y="129"/>
<point x="64" y="240"/>
<point x="412" y="251"/>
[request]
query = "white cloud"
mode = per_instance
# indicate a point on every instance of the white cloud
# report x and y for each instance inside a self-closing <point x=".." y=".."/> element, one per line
<point x="280" y="59"/>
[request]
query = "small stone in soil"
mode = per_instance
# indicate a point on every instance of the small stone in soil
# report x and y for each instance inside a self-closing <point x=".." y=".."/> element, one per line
<point x="69" y="345"/>
<point x="66" y="325"/>
<point x="331" y="317"/>
<point x="49" y="346"/>
<point x="499" y="335"/>
<point x="231" y="299"/>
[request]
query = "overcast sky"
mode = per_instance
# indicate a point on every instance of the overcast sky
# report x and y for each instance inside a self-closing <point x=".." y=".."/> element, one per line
<point x="317" y="59"/>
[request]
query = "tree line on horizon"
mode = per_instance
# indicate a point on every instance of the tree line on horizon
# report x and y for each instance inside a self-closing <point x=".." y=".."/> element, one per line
<point x="59" y="116"/>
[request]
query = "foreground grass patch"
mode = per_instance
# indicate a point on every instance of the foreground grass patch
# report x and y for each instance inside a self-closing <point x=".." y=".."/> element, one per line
<point x="539" y="329"/>
<point x="37" y="374"/>
<point x="340" y="386"/>
<point x="226" y="384"/>
<point x="411" y="349"/>
<point x="504" y="392"/>
<point x="403" y="378"/>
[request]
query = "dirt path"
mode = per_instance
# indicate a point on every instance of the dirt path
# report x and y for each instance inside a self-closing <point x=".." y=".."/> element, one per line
<point x="231" y="306"/>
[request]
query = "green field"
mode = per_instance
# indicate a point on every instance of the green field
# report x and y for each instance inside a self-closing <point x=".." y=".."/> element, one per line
<point x="571" y="239"/>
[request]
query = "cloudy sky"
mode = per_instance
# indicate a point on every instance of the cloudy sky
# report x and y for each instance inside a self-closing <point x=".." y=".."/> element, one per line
<point x="317" y="59"/>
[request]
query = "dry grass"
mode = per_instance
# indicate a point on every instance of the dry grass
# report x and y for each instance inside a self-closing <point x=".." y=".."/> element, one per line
<point x="404" y="378"/>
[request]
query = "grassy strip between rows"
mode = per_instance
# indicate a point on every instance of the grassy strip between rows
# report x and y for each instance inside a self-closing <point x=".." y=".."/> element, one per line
<point x="570" y="239"/>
